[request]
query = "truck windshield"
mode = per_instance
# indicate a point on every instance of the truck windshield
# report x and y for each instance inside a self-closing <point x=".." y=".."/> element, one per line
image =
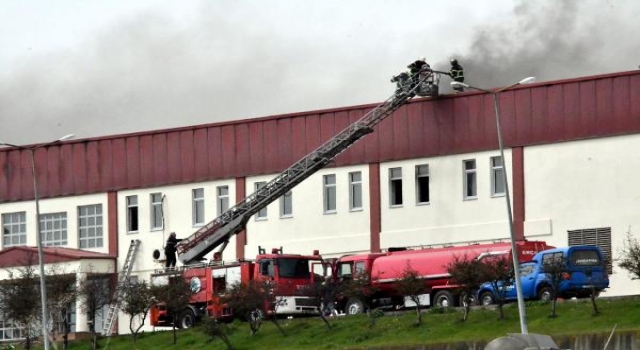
<point x="585" y="258"/>
<point x="293" y="267"/>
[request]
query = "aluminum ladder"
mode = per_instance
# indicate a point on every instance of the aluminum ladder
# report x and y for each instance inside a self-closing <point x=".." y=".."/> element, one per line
<point x="123" y="278"/>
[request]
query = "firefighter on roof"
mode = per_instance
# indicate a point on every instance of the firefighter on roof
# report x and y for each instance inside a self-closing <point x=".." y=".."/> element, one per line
<point x="457" y="74"/>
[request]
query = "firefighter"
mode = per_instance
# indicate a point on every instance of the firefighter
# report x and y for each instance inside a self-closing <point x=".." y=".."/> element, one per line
<point x="401" y="82"/>
<point x="170" y="250"/>
<point x="457" y="74"/>
<point x="417" y="65"/>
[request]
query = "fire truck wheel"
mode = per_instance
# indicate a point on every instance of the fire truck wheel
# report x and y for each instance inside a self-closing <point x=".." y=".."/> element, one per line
<point x="544" y="294"/>
<point x="187" y="319"/>
<point x="486" y="298"/>
<point x="256" y="315"/>
<point x="354" y="306"/>
<point x="443" y="299"/>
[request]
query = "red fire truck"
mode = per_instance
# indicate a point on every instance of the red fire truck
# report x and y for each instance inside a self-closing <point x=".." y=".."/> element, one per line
<point x="212" y="279"/>
<point x="385" y="269"/>
<point x="286" y="273"/>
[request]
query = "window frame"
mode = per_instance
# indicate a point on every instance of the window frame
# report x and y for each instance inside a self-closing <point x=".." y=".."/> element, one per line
<point x="396" y="198"/>
<point x="419" y="184"/>
<point x="469" y="174"/>
<point x="329" y="194"/>
<point x="262" y="214"/>
<point x="45" y="232"/>
<point x="222" y="200"/>
<point x="98" y="226"/>
<point x="197" y="207"/>
<point x="497" y="176"/>
<point x="20" y="224"/>
<point x="286" y="205"/>
<point x="355" y="191"/>
<point x="156" y="212"/>
<point x="133" y="214"/>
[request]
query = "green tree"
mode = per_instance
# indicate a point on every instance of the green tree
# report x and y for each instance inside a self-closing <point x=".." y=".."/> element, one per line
<point x="137" y="300"/>
<point x="555" y="268"/>
<point x="358" y="293"/>
<point x="215" y="329"/>
<point x="411" y="286"/>
<point x="468" y="273"/>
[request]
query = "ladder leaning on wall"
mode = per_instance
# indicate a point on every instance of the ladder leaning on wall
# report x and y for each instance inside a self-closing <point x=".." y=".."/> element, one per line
<point x="119" y="295"/>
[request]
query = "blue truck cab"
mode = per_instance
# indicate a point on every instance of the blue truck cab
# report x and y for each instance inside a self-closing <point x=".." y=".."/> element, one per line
<point x="584" y="271"/>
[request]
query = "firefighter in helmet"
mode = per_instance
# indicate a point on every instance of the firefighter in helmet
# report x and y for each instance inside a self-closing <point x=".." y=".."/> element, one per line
<point x="457" y="74"/>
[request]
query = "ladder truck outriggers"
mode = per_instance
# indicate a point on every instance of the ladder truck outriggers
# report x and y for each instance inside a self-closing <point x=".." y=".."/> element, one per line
<point x="209" y="281"/>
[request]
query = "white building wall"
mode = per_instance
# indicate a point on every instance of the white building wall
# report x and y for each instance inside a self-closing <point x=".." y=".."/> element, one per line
<point x="309" y="228"/>
<point x="582" y="185"/>
<point x="448" y="218"/>
<point x="57" y="205"/>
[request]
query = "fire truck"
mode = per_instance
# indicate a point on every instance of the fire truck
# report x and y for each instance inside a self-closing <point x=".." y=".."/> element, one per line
<point x="209" y="281"/>
<point x="383" y="270"/>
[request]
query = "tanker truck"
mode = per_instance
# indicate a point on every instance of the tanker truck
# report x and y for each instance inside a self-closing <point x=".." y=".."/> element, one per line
<point x="386" y="268"/>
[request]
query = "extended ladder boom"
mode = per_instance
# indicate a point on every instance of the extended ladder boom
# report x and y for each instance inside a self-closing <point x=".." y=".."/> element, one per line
<point x="220" y="230"/>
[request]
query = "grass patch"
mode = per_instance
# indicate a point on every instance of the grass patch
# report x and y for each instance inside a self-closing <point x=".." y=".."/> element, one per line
<point x="398" y="329"/>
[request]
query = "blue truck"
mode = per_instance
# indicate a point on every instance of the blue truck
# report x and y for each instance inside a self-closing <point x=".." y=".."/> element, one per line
<point x="584" y="271"/>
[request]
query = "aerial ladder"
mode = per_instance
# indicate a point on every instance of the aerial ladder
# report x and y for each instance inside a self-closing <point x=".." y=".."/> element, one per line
<point x="218" y="232"/>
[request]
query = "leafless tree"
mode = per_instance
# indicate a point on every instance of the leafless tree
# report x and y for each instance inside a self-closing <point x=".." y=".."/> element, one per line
<point x="215" y="329"/>
<point x="555" y="268"/>
<point x="498" y="271"/>
<point x="253" y="302"/>
<point x="137" y="300"/>
<point x="323" y="294"/>
<point x="175" y="296"/>
<point x="61" y="294"/>
<point x="19" y="302"/>
<point x="630" y="256"/>
<point x="94" y="296"/>
<point x="358" y="292"/>
<point x="412" y="286"/>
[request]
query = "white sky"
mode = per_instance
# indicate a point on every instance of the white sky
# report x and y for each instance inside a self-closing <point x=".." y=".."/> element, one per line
<point x="104" y="67"/>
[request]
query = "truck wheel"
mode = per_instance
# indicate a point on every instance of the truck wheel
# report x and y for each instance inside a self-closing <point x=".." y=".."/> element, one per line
<point x="545" y="293"/>
<point x="486" y="299"/>
<point x="354" y="306"/>
<point x="443" y="299"/>
<point x="187" y="319"/>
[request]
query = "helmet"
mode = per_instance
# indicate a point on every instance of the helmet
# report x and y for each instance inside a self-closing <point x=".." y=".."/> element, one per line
<point x="422" y="58"/>
<point x="454" y="61"/>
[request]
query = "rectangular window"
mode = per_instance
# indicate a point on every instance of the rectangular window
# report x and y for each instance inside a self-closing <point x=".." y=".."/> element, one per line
<point x="90" y="226"/>
<point x="262" y="214"/>
<point x="14" y="229"/>
<point x="599" y="237"/>
<point x="470" y="179"/>
<point x="395" y="186"/>
<point x="329" y="193"/>
<point x="286" y="205"/>
<point x="422" y="184"/>
<point x="157" y="215"/>
<point x="197" y="206"/>
<point x="497" y="177"/>
<point x="53" y="228"/>
<point x="355" y="190"/>
<point x="132" y="213"/>
<point x="223" y="199"/>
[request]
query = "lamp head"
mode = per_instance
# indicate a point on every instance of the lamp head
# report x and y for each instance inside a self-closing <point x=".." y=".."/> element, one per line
<point x="457" y="83"/>
<point x="527" y="80"/>
<point x="67" y="137"/>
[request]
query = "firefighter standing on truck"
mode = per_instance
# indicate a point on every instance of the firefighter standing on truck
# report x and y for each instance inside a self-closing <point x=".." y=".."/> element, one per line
<point x="457" y="74"/>
<point x="170" y="250"/>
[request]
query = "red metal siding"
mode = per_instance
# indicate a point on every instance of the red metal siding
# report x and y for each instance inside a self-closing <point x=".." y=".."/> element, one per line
<point x="187" y="157"/>
<point x="200" y="151"/>
<point x="532" y="114"/>
<point x="146" y="160"/>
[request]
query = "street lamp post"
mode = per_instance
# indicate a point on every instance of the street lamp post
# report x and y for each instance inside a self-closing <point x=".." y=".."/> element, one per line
<point x="514" y="250"/>
<point x="43" y="289"/>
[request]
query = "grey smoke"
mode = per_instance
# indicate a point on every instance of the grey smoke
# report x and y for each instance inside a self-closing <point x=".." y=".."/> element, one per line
<point x="147" y="73"/>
